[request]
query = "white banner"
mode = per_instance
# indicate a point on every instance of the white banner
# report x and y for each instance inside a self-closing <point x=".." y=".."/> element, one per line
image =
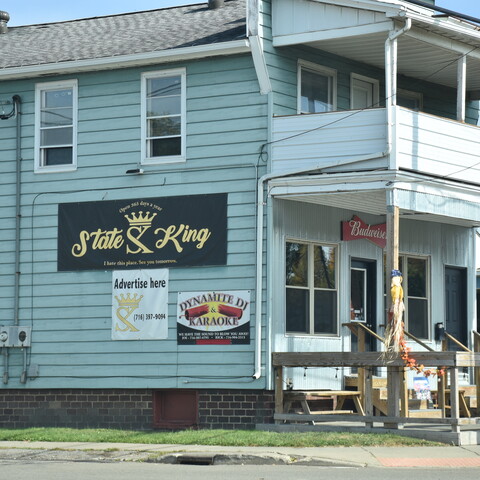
<point x="140" y="304"/>
<point x="209" y="318"/>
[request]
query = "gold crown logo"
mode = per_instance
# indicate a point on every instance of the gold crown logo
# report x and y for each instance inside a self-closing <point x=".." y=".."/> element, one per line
<point x="140" y="218"/>
<point x="128" y="301"/>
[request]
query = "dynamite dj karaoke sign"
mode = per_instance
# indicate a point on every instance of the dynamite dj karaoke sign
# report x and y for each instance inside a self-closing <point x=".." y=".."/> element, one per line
<point x="143" y="233"/>
<point x="205" y="318"/>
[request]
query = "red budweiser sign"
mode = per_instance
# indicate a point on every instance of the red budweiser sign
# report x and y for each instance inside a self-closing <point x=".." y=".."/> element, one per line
<point x="356" y="229"/>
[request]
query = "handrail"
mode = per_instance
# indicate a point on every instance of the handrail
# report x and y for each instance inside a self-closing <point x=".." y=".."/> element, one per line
<point x="460" y="344"/>
<point x="371" y="332"/>
<point x="414" y="338"/>
<point x="476" y="334"/>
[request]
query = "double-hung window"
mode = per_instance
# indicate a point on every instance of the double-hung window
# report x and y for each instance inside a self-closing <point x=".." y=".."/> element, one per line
<point x="416" y="298"/>
<point x="317" y="88"/>
<point x="163" y="116"/>
<point x="311" y="289"/>
<point x="416" y="288"/>
<point x="55" y="126"/>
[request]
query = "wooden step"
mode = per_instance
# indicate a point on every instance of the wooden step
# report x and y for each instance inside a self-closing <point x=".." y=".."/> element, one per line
<point x="425" y="413"/>
<point x="414" y="404"/>
<point x="352" y="381"/>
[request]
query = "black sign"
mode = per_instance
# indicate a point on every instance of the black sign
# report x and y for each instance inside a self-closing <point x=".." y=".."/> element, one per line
<point x="143" y="233"/>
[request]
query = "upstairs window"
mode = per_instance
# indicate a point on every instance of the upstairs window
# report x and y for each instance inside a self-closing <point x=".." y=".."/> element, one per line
<point x="163" y="116"/>
<point x="55" y="126"/>
<point x="317" y="88"/>
<point x="409" y="99"/>
<point x="311" y="289"/>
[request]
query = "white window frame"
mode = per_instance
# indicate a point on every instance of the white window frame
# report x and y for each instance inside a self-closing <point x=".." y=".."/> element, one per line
<point x="311" y="288"/>
<point x="428" y="292"/>
<point x="38" y="156"/>
<point x="404" y="257"/>
<point x="375" y="89"/>
<point x="183" y="111"/>
<point x="321" y="70"/>
<point x="418" y="96"/>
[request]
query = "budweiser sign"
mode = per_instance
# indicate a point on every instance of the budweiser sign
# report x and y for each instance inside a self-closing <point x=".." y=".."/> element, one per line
<point x="356" y="229"/>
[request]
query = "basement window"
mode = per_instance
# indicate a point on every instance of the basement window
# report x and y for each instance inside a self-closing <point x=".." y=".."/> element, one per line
<point x="175" y="409"/>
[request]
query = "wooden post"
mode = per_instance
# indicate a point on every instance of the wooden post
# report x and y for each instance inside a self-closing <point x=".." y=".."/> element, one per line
<point x="393" y="375"/>
<point x="404" y="392"/>
<point x="442" y="384"/>
<point x="476" y="348"/>
<point x="368" y="395"/>
<point x="454" y="400"/>
<point x="361" y="371"/>
<point x="278" y="391"/>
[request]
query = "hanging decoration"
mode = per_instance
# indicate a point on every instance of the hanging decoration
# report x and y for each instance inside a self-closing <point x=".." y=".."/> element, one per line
<point x="394" y="333"/>
<point x="395" y="337"/>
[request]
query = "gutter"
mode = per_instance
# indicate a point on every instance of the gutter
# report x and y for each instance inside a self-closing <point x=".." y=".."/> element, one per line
<point x="124" y="61"/>
<point x="450" y="13"/>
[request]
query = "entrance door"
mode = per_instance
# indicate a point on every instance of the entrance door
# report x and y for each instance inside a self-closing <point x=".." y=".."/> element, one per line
<point x="364" y="92"/>
<point x="456" y="305"/>
<point x="363" y="282"/>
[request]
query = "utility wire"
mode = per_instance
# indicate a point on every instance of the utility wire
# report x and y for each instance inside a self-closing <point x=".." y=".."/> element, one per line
<point x="376" y="104"/>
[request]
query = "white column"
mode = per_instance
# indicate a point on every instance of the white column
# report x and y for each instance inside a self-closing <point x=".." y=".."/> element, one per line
<point x="461" y="88"/>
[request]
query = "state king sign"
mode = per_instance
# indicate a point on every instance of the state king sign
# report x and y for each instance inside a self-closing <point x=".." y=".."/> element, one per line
<point x="357" y="229"/>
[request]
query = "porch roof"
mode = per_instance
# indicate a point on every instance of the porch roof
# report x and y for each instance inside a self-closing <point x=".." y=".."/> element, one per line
<point x="418" y="197"/>
<point x="429" y="51"/>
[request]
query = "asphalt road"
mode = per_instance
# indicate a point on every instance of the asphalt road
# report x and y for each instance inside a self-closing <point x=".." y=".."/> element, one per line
<point x="149" y="471"/>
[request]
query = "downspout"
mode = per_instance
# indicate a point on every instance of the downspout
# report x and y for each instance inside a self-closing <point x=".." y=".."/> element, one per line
<point x="14" y="113"/>
<point x="17" y="101"/>
<point x="5" y="365"/>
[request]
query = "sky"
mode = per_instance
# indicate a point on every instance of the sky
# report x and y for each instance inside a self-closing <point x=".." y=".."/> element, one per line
<point x="26" y="12"/>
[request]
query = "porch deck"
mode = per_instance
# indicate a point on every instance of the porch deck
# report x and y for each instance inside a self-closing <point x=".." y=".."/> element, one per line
<point x="455" y="423"/>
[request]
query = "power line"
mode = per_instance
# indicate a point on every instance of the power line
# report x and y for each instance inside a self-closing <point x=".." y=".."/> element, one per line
<point x="374" y="105"/>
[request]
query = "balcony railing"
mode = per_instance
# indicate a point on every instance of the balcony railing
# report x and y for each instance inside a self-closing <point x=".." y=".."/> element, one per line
<point x="357" y="140"/>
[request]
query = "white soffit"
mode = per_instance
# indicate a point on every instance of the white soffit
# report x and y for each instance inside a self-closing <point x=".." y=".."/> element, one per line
<point x="429" y="52"/>
<point x="373" y="203"/>
<point x="418" y="197"/>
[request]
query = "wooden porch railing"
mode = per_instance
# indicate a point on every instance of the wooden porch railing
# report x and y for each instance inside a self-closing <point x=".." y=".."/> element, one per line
<point x="361" y="330"/>
<point x="476" y="348"/>
<point x="453" y="361"/>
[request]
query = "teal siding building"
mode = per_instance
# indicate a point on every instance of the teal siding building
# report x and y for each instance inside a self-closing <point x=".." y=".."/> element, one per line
<point x="170" y="179"/>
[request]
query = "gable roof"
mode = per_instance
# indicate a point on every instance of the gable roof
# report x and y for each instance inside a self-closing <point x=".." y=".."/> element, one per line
<point x="122" y="35"/>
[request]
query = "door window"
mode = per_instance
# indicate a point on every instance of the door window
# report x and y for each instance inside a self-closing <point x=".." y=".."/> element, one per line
<point x="364" y="92"/>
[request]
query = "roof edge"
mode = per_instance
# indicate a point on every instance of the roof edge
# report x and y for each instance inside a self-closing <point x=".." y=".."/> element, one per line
<point x="125" y="61"/>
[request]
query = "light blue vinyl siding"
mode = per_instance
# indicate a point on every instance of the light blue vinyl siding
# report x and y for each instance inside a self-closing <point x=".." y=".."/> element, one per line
<point x="70" y="312"/>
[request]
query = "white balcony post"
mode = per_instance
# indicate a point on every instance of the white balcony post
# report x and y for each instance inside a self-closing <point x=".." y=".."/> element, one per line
<point x="461" y="88"/>
<point x="391" y="66"/>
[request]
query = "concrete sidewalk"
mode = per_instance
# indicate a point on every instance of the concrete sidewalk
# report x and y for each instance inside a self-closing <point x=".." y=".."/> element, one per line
<point x="467" y="456"/>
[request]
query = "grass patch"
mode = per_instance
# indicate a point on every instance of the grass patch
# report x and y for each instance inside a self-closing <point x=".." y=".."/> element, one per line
<point x="240" y="438"/>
